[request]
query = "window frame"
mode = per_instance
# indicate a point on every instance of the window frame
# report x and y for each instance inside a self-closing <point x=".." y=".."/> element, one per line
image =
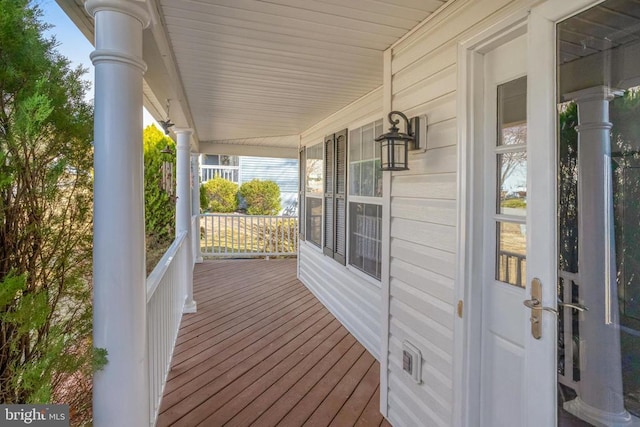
<point x="315" y="195"/>
<point x="375" y="200"/>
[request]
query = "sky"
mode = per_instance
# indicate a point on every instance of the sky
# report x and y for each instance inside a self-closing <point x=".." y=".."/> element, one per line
<point x="72" y="43"/>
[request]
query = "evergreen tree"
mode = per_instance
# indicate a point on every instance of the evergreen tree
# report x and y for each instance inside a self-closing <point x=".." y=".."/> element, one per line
<point x="159" y="203"/>
<point x="45" y="217"/>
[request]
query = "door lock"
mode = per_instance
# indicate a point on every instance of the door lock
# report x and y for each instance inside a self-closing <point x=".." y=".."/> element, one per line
<point x="537" y="308"/>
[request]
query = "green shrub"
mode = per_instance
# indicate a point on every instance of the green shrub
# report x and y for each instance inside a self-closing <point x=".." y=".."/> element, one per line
<point x="46" y="181"/>
<point x="262" y="197"/>
<point x="221" y="195"/>
<point x="204" y="200"/>
<point x="159" y="207"/>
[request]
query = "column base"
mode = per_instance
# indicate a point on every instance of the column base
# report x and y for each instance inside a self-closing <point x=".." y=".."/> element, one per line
<point x="598" y="417"/>
<point x="199" y="260"/>
<point x="189" y="307"/>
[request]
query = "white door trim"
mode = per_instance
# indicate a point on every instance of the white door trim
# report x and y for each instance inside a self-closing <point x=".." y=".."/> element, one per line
<point x="470" y="106"/>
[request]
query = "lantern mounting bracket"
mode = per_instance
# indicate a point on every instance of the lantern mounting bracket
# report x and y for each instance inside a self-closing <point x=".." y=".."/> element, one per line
<point x="395" y="145"/>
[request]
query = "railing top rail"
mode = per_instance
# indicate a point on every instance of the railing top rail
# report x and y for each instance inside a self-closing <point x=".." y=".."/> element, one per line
<point x="160" y="269"/>
<point x="231" y="215"/>
<point x="219" y="167"/>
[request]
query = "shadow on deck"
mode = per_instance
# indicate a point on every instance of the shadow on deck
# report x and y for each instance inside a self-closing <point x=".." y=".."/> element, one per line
<point x="262" y="350"/>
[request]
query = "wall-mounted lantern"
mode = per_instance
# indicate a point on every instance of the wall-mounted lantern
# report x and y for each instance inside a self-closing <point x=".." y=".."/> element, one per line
<point x="395" y="145"/>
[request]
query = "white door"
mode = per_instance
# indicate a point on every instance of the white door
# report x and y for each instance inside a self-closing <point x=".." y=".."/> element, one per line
<point x="510" y="234"/>
<point x="579" y="245"/>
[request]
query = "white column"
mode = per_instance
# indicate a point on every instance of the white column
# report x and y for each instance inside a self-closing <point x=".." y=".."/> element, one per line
<point x="195" y="204"/>
<point x="121" y="389"/>
<point x="183" y="210"/>
<point x="600" y="400"/>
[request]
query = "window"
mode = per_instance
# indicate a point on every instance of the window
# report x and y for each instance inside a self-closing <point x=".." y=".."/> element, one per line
<point x="302" y="182"/>
<point x="335" y="207"/>
<point x="313" y="194"/>
<point x="365" y="200"/>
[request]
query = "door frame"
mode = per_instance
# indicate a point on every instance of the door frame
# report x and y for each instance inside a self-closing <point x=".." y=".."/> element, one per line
<point x="539" y="23"/>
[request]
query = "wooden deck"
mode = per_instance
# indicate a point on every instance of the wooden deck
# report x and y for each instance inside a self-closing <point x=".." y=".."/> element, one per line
<point x="263" y="351"/>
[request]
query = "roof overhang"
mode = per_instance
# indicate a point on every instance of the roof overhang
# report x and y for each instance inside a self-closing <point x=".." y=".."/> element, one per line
<point x="242" y="73"/>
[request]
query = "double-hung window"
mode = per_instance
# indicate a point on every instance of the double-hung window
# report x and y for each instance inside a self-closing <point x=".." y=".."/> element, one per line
<point x="365" y="200"/>
<point x="313" y="186"/>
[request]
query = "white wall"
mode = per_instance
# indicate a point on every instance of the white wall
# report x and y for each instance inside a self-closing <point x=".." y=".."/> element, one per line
<point x="423" y="221"/>
<point x="349" y="294"/>
<point x="423" y="216"/>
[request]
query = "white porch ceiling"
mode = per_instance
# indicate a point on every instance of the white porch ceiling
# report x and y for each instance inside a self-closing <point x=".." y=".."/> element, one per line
<point x="242" y="69"/>
<point x="275" y="67"/>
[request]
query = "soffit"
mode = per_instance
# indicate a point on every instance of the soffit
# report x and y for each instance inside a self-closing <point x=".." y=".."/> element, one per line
<point x="252" y="69"/>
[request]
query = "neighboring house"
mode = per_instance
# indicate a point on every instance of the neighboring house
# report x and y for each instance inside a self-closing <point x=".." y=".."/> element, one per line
<point x="241" y="169"/>
<point x="482" y="311"/>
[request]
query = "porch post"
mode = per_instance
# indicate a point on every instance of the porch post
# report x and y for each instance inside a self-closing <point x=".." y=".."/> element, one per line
<point x="600" y="399"/>
<point x="121" y="388"/>
<point x="195" y="204"/>
<point x="183" y="210"/>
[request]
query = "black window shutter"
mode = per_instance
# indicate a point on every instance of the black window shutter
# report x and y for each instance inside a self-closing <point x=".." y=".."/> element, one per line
<point x="340" y="197"/>
<point x="329" y="191"/>
<point x="302" y="182"/>
<point x="335" y="196"/>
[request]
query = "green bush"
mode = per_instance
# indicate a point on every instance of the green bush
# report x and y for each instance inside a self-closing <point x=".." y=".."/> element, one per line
<point x="159" y="207"/>
<point x="221" y="195"/>
<point x="262" y="197"/>
<point x="204" y="199"/>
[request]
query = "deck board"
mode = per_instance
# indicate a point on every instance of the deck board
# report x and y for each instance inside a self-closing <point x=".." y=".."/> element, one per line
<point x="263" y="351"/>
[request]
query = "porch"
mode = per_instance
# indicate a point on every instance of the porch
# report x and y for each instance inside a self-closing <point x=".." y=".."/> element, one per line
<point x="263" y="350"/>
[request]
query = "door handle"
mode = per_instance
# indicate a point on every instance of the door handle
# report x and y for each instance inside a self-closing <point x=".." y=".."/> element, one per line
<point x="537" y="308"/>
<point x="534" y="304"/>
<point x="580" y="307"/>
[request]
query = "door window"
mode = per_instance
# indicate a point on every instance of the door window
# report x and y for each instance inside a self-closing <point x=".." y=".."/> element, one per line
<point x="511" y="176"/>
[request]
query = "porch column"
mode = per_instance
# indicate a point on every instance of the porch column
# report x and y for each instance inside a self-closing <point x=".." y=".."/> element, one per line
<point x="195" y="204"/>
<point x="183" y="210"/>
<point x="600" y="399"/>
<point x="121" y="388"/>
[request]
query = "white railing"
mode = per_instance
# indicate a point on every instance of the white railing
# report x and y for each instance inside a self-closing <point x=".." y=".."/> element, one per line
<point x="165" y="301"/>
<point x="231" y="173"/>
<point x="237" y="236"/>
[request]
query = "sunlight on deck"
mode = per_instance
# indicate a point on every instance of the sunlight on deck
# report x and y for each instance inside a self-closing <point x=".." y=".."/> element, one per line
<point x="262" y="350"/>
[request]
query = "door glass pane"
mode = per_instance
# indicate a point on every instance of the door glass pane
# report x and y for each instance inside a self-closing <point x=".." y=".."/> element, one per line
<point x="512" y="183"/>
<point x="512" y="112"/>
<point x="511" y="261"/>
<point x="599" y="215"/>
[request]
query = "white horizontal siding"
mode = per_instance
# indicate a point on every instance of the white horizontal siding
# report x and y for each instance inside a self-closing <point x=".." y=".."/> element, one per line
<point x="283" y="172"/>
<point x="423" y="216"/>
<point x="354" y="300"/>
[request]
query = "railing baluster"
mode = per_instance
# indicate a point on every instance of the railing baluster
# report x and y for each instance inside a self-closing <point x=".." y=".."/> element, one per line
<point x="249" y="235"/>
<point x="164" y="311"/>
